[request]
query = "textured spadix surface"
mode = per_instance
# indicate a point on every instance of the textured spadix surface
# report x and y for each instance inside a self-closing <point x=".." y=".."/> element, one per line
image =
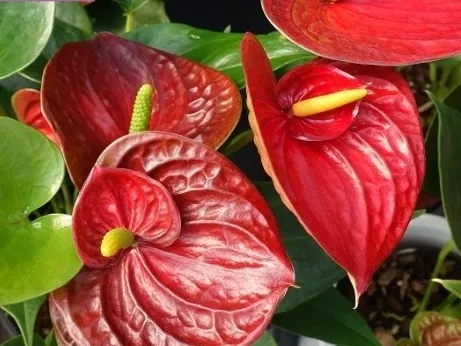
<point x="89" y="88"/>
<point x="214" y="279"/>
<point x="391" y="32"/>
<point x="350" y="175"/>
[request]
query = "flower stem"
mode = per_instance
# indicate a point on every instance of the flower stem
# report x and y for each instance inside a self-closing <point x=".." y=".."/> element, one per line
<point x="444" y="252"/>
<point x="67" y="199"/>
<point x="129" y="21"/>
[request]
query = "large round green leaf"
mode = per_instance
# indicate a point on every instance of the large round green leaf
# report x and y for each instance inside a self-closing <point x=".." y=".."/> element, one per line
<point x="315" y="271"/>
<point x="35" y="257"/>
<point x="24" y="31"/>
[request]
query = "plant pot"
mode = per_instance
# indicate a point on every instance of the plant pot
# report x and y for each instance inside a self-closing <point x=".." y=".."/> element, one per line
<point x="426" y="231"/>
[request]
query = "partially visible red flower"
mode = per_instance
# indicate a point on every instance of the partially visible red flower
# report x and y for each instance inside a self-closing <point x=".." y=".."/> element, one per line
<point x="351" y="174"/>
<point x="26" y="104"/>
<point x="391" y="32"/>
<point x="194" y="255"/>
<point x="89" y="87"/>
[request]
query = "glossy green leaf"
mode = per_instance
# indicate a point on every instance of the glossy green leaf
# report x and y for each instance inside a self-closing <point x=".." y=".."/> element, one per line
<point x="111" y="16"/>
<point x="18" y="341"/>
<point x="217" y="49"/>
<point x="144" y="12"/>
<point x="453" y="286"/>
<point x="71" y="24"/>
<point x="315" y="271"/>
<point x="329" y="317"/>
<point x="25" y="30"/>
<point x="25" y="314"/>
<point x="265" y="340"/>
<point x="35" y="257"/>
<point x="449" y="146"/>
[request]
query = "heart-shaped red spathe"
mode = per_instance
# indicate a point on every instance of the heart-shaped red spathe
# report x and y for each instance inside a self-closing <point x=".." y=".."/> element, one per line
<point x="26" y="105"/>
<point x="89" y="88"/>
<point x="354" y="193"/>
<point x="392" y="32"/>
<point x="118" y="198"/>
<point x="218" y="283"/>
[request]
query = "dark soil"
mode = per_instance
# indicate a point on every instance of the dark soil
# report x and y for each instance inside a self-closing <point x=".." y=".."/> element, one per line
<point x="417" y="77"/>
<point x="397" y="289"/>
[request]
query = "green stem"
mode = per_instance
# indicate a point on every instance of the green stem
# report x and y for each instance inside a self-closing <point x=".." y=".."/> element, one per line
<point x="67" y="199"/>
<point x="444" y="252"/>
<point x="55" y="206"/>
<point x="129" y="21"/>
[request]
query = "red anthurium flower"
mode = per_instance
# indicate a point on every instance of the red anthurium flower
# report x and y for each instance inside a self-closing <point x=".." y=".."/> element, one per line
<point x="391" y="32"/>
<point x="179" y="249"/>
<point x="26" y="104"/>
<point x="88" y="91"/>
<point x="344" y="147"/>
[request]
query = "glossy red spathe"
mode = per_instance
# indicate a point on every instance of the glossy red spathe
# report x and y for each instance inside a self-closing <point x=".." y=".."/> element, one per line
<point x="26" y="105"/>
<point x="89" y="88"/>
<point x="208" y="266"/>
<point x="355" y="188"/>
<point x="392" y="32"/>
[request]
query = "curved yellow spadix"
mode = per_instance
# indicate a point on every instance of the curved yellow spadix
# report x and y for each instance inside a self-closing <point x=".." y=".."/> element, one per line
<point x="327" y="102"/>
<point x="115" y="240"/>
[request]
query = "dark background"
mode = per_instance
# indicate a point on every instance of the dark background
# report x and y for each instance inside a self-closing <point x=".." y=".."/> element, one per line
<point x="242" y="15"/>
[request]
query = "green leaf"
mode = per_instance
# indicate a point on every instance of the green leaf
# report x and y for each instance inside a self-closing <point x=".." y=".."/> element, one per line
<point x="146" y="12"/>
<point x="71" y="24"/>
<point x="418" y="213"/>
<point x="329" y="317"/>
<point x="51" y="339"/>
<point x="432" y="181"/>
<point x="25" y="314"/>
<point x="265" y="340"/>
<point x="111" y="16"/>
<point x="449" y="146"/>
<point x="315" y="271"/>
<point x="25" y="30"/>
<point x="217" y="49"/>
<point x="453" y="286"/>
<point x="17" y="341"/>
<point x="35" y="257"/>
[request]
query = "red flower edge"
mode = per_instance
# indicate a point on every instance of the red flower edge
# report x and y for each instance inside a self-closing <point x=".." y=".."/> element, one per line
<point x="355" y="189"/>
<point x="26" y="105"/>
<point x="217" y="283"/>
<point x="371" y="32"/>
<point x="89" y="88"/>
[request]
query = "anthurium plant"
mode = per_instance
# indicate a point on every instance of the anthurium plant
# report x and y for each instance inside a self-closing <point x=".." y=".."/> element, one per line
<point x="130" y="211"/>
